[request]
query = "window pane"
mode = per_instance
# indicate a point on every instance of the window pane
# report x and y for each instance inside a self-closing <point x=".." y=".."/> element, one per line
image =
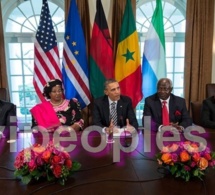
<point x="28" y="50"/>
<point x="179" y="80"/>
<point x="15" y="97"/>
<point x="37" y="7"/>
<point x="169" y="49"/>
<point x="14" y="50"/>
<point x="176" y="17"/>
<point x="179" y="49"/>
<point x="169" y="64"/>
<point x="17" y="16"/>
<point x="15" y="67"/>
<point x="179" y="92"/>
<point x="26" y="8"/>
<point x="58" y="16"/>
<point x="28" y="26"/>
<point x="179" y="64"/>
<point x="181" y="26"/>
<point x="29" y="81"/>
<point x="34" y="23"/>
<point x="12" y="26"/>
<point x="16" y="82"/>
<point x="28" y="66"/>
<point x="168" y="10"/>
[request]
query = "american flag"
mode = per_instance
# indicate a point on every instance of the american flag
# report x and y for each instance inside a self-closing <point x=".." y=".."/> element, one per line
<point x="46" y="55"/>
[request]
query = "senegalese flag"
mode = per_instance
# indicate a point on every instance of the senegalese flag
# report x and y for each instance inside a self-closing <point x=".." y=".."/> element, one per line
<point x="127" y="66"/>
<point x="154" y="60"/>
<point x="101" y="53"/>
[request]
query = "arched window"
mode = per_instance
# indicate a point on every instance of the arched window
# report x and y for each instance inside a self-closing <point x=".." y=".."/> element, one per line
<point x="20" y="29"/>
<point x="174" y="26"/>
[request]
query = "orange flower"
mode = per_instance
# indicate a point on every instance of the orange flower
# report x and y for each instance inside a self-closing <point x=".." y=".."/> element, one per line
<point x="196" y="157"/>
<point x="46" y="155"/>
<point x="203" y="163"/>
<point x="38" y="149"/>
<point x="165" y="149"/>
<point x="194" y="147"/>
<point x="167" y="158"/>
<point x="173" y="147"/>
<point x="184" y="156"/>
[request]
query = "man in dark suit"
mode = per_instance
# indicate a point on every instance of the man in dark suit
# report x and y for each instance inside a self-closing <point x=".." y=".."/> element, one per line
<point x="208" y="112"/>
<point x="102" y="108"/>
<point x="176" y="106"/>
<point x="7" y="110"/>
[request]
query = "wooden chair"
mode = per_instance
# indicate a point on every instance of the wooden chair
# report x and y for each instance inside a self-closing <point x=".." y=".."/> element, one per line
<point x="4" y="94"/>
<point x="210" y="89"/>
<point x="196" y="107"/>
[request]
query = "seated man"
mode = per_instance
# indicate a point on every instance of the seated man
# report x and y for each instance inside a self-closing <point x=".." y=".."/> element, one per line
<point x="7" y="110"/>
<point x="208" y="112"/>
<point x="102" y="109"/>
<point x="164" y="101"/>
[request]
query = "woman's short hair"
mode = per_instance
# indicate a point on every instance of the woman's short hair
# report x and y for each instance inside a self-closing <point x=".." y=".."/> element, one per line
<point x="49" y="85"/>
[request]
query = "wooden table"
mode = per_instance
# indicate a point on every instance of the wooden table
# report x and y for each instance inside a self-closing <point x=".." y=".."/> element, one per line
<point x="135" y="173"/>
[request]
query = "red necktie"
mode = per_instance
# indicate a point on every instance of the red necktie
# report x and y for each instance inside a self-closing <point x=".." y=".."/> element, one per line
<point x="165" y="114"/>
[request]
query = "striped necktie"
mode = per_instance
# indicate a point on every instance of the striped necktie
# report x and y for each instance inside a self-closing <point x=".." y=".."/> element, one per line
<point x="113" y="113"/>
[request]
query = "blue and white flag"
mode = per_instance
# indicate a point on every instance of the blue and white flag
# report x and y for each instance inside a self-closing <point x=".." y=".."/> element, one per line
<point x="154" y="58"/>
<point x="75" y="68"/>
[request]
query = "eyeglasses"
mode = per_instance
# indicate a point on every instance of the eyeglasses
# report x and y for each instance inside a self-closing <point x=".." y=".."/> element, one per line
<point x="59" y="91"/>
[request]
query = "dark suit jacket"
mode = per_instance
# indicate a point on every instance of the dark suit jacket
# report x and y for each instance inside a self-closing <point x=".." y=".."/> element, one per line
<point x="208" y="113"/>
<point x="177" y="111"/>
<point x="7" y="109"/>
<point x="101" y="112"/>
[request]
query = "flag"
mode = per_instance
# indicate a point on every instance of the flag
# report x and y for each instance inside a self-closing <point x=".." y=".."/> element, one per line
<point x="101" y="53"/>
<point x="75" y="67"/>
<point x="127" y="65"/>
<point x="154" y="61"/>
<point x="46" y="55"/>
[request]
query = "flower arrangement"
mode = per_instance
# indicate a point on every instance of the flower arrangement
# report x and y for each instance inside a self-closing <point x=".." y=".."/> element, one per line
<point x="37" y="161"/>
<point x="186" y="159"/>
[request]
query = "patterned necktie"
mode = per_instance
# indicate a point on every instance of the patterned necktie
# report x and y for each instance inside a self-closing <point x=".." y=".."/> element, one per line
<point x="113" y="113"/>
<point x="165" y="114"/>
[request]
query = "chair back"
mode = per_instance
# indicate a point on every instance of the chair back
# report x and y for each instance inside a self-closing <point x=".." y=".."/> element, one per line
<point x="196" y="112"/>
<point x="210" y="89"/>
<point x="4" y="94"/>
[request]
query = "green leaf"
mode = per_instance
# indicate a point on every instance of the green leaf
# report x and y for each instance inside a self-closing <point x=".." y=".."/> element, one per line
<point x="75" y="166"/>
<point x="26" y="179"/>
<point x="173" y="169"/>
<point x="187" y="177"/>
<point x="213" y="155"/>
<point x="61" y="182"/>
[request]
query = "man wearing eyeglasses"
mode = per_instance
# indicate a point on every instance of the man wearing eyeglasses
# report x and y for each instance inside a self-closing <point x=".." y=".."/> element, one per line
<point x="165" y="108"/>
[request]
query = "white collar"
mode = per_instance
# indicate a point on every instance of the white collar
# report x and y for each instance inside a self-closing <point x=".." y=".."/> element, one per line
<point x="110" y="101"/>
<point x="167" y="100"/>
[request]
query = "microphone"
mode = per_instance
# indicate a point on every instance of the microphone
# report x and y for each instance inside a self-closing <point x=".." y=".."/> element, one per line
<point x="126" y="142"/>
